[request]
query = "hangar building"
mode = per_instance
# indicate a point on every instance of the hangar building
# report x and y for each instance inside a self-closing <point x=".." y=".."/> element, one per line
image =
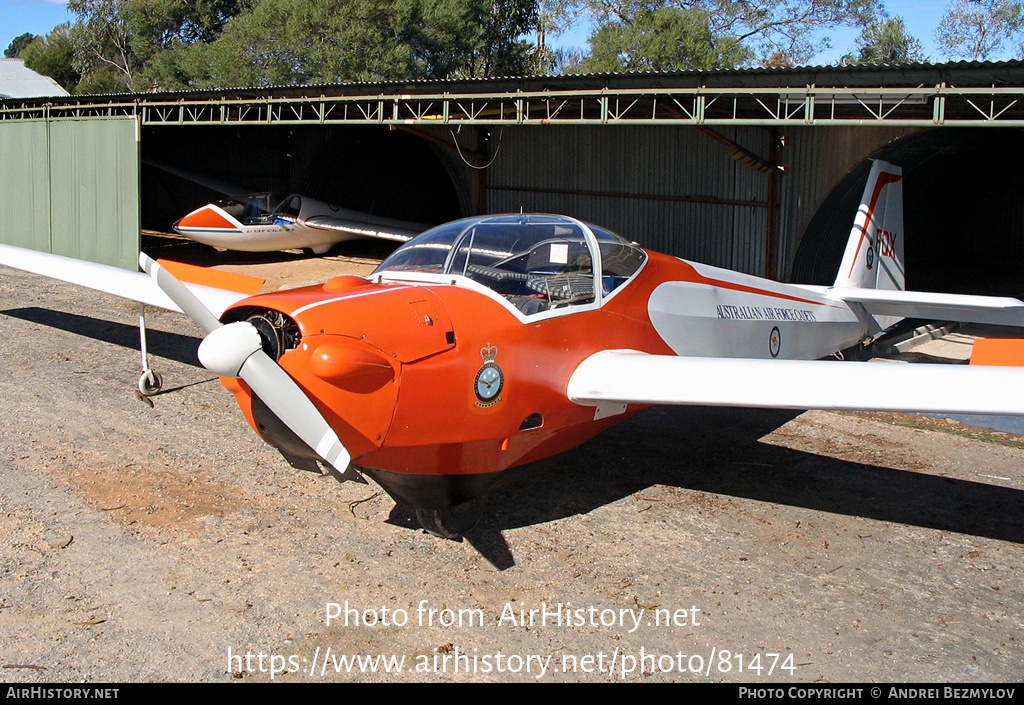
<point x="758" y="170"/>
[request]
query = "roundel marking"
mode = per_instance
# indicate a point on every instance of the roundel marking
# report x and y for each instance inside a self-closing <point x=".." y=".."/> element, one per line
<point x="775" y="342"/>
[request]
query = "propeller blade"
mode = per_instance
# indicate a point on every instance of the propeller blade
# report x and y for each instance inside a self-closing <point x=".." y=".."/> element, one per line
<point x="290" y="404"/>
<point x="235" y="350"/>
<point x="179" y="294"/>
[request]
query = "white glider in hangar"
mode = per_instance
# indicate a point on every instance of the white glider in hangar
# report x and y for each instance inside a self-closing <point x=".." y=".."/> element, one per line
<point x="272" y="221"/>
<point x="266" y="222"/>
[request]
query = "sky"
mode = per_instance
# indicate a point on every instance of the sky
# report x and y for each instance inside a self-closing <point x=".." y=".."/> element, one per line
<point x="33" y="16"/>
<point x="921" y="17"/>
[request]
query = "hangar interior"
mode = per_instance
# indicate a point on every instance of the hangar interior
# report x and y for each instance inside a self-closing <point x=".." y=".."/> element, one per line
<point x="704" y="188"/>
<point x="372" y="169"/>
<point x="963" y="197"/>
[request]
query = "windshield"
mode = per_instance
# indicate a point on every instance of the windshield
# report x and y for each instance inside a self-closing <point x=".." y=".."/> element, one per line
<point x="537" y="262"/>
<point x="261" y="208"/>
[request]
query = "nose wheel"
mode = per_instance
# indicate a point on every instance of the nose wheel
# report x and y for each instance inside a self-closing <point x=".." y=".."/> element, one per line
<point x="451" y="522"/>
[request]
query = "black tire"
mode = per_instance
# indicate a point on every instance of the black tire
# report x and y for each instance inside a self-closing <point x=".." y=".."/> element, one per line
<point x="451" y="522"/>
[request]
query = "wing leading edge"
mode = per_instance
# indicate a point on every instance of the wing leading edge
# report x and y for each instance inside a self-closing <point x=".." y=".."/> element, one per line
<point x="362" y="229"/>
<point x="136" y="286"/>
<point x="632" y="377"/>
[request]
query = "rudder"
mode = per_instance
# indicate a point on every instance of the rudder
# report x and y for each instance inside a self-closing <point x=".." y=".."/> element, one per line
<point x="874" y="252"/>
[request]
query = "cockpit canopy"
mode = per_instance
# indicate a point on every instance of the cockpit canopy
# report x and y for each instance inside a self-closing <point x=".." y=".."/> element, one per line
<point x="262" y="208"/>
<point x="537" y="262"/>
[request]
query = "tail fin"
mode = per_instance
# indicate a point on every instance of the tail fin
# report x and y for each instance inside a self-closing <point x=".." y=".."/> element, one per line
<point x="872" y="276"/>
<point x="874" y="252"/>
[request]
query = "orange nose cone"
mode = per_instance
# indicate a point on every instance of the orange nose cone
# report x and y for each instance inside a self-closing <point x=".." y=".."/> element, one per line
<point x="206" y="218"/>
<point x="351" y="366"/>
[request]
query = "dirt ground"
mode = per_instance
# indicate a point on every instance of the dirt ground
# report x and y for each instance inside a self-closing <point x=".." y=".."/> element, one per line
<point x="168" y="543"/>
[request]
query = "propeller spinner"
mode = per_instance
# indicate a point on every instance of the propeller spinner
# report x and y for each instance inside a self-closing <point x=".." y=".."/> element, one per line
<point x="235" y="350"/>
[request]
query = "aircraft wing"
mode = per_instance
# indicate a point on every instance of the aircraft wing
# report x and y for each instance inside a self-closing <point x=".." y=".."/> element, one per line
<point x="368" y="226"/>
<point x="632" y="377"/>
<point x="136" y="286"/>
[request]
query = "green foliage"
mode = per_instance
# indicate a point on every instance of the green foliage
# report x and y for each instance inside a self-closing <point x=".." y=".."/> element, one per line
<point x="714" y="33"/>
<point x="98" y="81"/>
<point x="977" y="30"/>
<point x="501" y="53"/>
<point x="136" y="45"/>
<point x="17" y="44"/>
<point x="283" y="42"/>
<point x="886" y="42"/>
<point x="52" y="56"/>
<point x="101" y="42"/>
<point x="118" y="39"/>
<point x="665" y="39"/>
<point x="146" y="44"/>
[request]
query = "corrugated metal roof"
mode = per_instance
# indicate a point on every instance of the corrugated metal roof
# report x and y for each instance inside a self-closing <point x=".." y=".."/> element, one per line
<point x="18" y="81"/>
<point x="959" y="73"/>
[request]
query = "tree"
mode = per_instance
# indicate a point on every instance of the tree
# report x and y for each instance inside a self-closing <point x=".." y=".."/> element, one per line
<point x="143" y="44"/>
<point x="664" y="39"/>
<point x="117" y="39"/>
<point x="284" y="42"/>
<point x="977" y="30"/>
<point x="17" y="44"/>
<point x="52" y="56"/>
<point x="501" y="52"/>
<point x="886" y="42"/>
<point x="473" y="38"/>
<point x="750" y="32"/>
<point x="778" y="60"/>
<point x="565" y="60"/>
<point x="101" y="41"/>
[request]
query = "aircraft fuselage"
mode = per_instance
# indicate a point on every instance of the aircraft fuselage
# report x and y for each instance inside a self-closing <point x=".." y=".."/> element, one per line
<point x="436" y="383"/>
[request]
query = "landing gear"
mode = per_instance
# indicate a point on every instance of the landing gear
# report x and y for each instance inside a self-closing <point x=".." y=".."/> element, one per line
<point x="150" y="383"/>
<point x="857" y="353"/>
<point x="451" y="522"/>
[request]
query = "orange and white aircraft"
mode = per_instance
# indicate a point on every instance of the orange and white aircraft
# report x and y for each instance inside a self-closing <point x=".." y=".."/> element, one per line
<point x="265" y="222"/>
<point x="490" y="342"/>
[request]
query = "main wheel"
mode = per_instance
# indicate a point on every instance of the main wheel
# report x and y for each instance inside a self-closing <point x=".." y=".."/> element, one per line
<point x="451" y="522"/>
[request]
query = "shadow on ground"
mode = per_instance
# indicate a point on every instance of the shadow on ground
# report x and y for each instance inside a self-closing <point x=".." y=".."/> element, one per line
<point x="717" y="450"/>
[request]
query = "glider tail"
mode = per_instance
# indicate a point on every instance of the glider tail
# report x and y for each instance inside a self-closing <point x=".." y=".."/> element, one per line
<point x="874" y="251"/>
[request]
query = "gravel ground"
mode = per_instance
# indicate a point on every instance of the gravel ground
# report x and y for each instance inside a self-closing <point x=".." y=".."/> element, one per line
<point x="168" y="543"/>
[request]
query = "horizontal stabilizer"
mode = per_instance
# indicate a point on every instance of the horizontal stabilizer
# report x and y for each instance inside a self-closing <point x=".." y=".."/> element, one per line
<point x="995" y="310"/>
<point x="136" y="286"/>
<point x="631" y="377"/>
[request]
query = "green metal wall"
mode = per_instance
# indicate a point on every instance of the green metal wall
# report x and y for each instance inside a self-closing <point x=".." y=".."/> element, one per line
<point x="71" y="187"/>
